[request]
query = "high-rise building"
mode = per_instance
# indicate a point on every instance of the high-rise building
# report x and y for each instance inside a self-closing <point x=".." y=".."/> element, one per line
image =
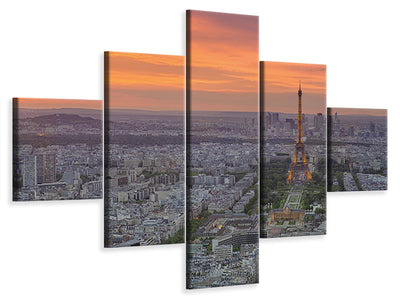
<point x="275" y="118"/>
<point x="268" y="119"/>
<point x="351" y="131"/>
<point x="292" y="123"/>
<point x="318" y="121"/>
<point x="29" y="171"/>
<point x="45" y="168"/>
<point x="372" y="127"/>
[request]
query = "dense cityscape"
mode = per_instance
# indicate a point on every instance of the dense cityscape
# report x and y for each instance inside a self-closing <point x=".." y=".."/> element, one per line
<point x="292" y="208"/>
<point x="357" y="151"/>
<point x="144" y="160"/>
<point x="223" y="218"/>
<point x="57" y="154"/>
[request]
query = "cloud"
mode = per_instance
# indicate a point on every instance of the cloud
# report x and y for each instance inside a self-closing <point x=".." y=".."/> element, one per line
<point x="223" y="61"/>
<point x="145" y="81"/>
<point x="41" y="103"/>
<point x="281" y="84"/>
<point x="358" y="111"/>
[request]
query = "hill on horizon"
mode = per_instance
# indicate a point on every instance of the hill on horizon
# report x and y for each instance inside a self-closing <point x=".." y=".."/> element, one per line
<point x="24" y="113"/>
<point x="64" y="119"/>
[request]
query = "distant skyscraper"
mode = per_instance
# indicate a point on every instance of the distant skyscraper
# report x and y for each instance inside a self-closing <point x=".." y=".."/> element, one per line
<point x="46" y="168"/>
<point x="372" y="127"/>
<point x="292" y="123"/>
<point x="29" y="171"/>
<point x="268" y="119"/>
<point x="351" y="131"/>
<point x="318" y="121"/>
<point x="275" y="118"/>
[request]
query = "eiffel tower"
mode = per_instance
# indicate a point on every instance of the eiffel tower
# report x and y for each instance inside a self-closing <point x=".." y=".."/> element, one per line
<point x="299" y="171"/>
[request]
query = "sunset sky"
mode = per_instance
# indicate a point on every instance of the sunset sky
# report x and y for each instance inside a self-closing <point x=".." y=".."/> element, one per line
<point x="281" y="84"/>
<point x="145" y="81"/>
<point x="358" y="111"/>
<point x="223" y="61"/>
<point x="40" y="103"/>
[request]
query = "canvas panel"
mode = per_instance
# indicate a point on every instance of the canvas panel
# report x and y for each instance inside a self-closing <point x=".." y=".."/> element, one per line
<point x="357" y="149"/>
<point x="144" y="149"/>
<point x="293" y="149"/>
<point x="222" y="149"/>
<point x="57" y="149"/>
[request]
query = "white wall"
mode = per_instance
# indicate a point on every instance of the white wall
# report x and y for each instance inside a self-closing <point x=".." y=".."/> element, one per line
<point x="53" y="250"/>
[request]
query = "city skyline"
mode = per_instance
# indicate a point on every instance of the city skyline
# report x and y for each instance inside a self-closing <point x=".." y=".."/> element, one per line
<point x="358" y="111"/>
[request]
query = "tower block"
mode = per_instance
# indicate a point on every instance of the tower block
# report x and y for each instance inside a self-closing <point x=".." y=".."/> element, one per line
<point x="299" y="171"/>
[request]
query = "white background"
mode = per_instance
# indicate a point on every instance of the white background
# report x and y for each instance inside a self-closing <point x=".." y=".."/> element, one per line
<point x="53" y="250"/>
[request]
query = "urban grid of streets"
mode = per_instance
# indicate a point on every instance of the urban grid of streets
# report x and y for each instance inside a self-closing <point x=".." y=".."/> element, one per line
<point x="292" y="209"/>
<point x="223" y="222"/>
<point x="144" y="160"/>
<point x="57" y="155"/>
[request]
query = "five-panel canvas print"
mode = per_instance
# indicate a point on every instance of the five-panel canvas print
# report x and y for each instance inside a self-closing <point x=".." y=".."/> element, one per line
<point x="251" y="153"/>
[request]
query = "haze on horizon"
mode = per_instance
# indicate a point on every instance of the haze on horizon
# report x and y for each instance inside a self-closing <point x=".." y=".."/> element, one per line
<point x="357" y="111"/>
<point x="50" y="103"/>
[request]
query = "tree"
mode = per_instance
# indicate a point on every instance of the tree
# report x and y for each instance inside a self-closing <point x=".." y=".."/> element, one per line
<point x="175" y="239"/>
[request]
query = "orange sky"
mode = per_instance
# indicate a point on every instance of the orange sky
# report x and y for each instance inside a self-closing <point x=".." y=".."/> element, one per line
<point x="40" y="103"/>
<point x="281" y="84"/>
<point x="223" y="61"/>
<point x="358" y="111"/>
<point x="145" y="81"/>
